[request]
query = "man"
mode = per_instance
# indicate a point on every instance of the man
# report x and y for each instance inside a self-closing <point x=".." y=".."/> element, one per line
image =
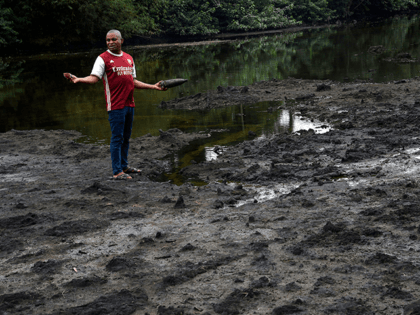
<point x="116" y="69"/>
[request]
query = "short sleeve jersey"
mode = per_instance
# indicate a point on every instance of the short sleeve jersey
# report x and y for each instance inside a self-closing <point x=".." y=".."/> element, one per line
<point x="117" y="73"/>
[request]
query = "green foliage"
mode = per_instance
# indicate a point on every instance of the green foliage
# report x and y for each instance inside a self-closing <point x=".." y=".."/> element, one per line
<point x="347" y="8"/>
<point x="389" y="5"/>
<point x="8" y="33"/>
<point x="246" y="15"/>
<point x="48" y="23"/>
<point x="150" y="14"/>
<point x="45" y="22"/>
<point x="191" y="17"/>
<point x="98" y="16"/>
<point x="204" y="17"/>
<point x="342" y="8"/>
<point x="10" y="73"/>
<point x="312" y="11"/>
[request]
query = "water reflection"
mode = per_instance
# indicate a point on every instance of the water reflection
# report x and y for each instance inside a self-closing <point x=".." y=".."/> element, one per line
<point x="212" y="153"/>
<point x="283" y="121"/>
<point x="263" y="119"/>
<point x="34" y="95"/>
<point x="298" y="123"/>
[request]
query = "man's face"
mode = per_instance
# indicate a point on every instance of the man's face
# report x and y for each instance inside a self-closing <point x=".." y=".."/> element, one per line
<point x="114" y="43"/>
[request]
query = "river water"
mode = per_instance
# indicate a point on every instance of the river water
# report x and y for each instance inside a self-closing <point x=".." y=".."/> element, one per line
<point x="34" y="94"/>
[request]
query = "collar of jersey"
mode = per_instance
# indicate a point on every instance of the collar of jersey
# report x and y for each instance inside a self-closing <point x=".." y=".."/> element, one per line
<point x="114" y="54"/>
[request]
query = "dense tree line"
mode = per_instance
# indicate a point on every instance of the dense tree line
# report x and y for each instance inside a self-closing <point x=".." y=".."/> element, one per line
<point x="63" y="22"/>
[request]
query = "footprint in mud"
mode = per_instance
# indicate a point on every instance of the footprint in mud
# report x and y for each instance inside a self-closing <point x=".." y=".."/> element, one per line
<point x="18" y="302"/>
<point x="85" y="282"/>
<point x="48" y="267"/>
<point x="21" y="221"/>
<point x="9" y="245"/>
<point x="123" y="302"/>
<point x="75" y="227"/>
<point x="118" y="263"/>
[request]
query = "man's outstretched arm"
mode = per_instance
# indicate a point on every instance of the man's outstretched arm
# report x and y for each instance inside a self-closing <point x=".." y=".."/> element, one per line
<point x="91" y="79"/>
<point x="141" y="85"/>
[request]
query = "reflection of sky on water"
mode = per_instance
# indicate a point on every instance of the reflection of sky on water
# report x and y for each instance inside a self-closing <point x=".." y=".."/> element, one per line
<point x="296" y="123"/>
<point x="263" y="194"/>
<point x="286" y="121"/>
<point x="211" y="154"/>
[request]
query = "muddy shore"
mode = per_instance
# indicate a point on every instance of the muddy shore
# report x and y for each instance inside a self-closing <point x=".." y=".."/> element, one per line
<point x="297" y="223"/>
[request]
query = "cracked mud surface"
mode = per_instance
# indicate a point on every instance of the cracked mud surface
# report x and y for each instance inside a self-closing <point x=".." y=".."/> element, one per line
<point x="292" y="224"/>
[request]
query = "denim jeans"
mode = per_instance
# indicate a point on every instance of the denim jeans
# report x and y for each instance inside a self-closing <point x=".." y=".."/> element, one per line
<point x="121" y="122"/>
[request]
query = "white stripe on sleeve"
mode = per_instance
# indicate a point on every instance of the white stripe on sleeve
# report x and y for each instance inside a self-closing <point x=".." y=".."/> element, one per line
<point x="98" y="68"/>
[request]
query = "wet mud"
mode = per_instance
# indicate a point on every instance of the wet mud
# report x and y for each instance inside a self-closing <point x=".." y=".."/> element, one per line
<point x="294" y="223"/>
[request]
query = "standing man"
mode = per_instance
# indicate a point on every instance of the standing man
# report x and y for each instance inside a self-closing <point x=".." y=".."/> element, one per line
<point x="116" y="69"/>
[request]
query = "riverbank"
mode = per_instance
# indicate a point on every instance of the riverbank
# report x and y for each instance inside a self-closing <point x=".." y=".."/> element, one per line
<point x="162" y="41"/>
<point x="150" y="42"/>
<point x="295" y="223"/>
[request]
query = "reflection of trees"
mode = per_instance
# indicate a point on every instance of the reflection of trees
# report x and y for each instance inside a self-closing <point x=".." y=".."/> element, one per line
<point x="337" y="53"/>
<point x="9" y="76"/>
<point x="332" y="53"/>
<point x="38" y="96"/>
<point x="237" y="63"/>
<point x="10" y="72"/>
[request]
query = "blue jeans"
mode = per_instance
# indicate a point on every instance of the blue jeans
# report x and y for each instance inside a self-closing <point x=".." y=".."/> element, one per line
<point x="121" y="121"/>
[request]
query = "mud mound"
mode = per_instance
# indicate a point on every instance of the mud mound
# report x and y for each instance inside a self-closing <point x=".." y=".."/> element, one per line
<point x="99" y="188"/>
<point x="85" y="282"/>
<point x="47" y="267"/>
<point x="22" y="221"/>
<point x="75" y="227"/>
<point x="19" y="302"/>
<point x="121" y="303"/>
<point x="287" y="309"/>
<point x="126" y="215"/>
<point x="349" y="306"/>
<point x="162" y="310"/>
<point x="119" y="263"/>
<point x="9" y="244"/>
<point x="237" y="302"/>
<point x="191" y="270"/>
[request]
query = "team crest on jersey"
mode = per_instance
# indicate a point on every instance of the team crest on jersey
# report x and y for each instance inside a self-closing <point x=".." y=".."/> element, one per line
<point x="112" y="61"/>
<point x="129" y="61"/>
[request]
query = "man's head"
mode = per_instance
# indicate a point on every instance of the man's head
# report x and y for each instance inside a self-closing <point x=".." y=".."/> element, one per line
<point x="114" y="41"/>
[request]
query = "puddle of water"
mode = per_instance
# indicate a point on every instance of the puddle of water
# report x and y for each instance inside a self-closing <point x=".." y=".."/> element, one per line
<point x="212" y="153"/>
<point x="265" y="193"/>
<point x="284" y="120"/>
<point x="230" y="126"/>
<point x="298" y="123"/>
<point x="414" y="151"/>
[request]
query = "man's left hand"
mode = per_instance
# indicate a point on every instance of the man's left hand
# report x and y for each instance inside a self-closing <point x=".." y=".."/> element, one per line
<point x="159" y="87"/>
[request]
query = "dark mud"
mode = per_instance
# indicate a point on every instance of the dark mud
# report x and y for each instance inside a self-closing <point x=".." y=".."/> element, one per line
<point x="295" y="223"/>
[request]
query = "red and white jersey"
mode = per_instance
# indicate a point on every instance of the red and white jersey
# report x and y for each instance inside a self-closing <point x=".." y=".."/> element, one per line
<point x="117" y="73"/>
